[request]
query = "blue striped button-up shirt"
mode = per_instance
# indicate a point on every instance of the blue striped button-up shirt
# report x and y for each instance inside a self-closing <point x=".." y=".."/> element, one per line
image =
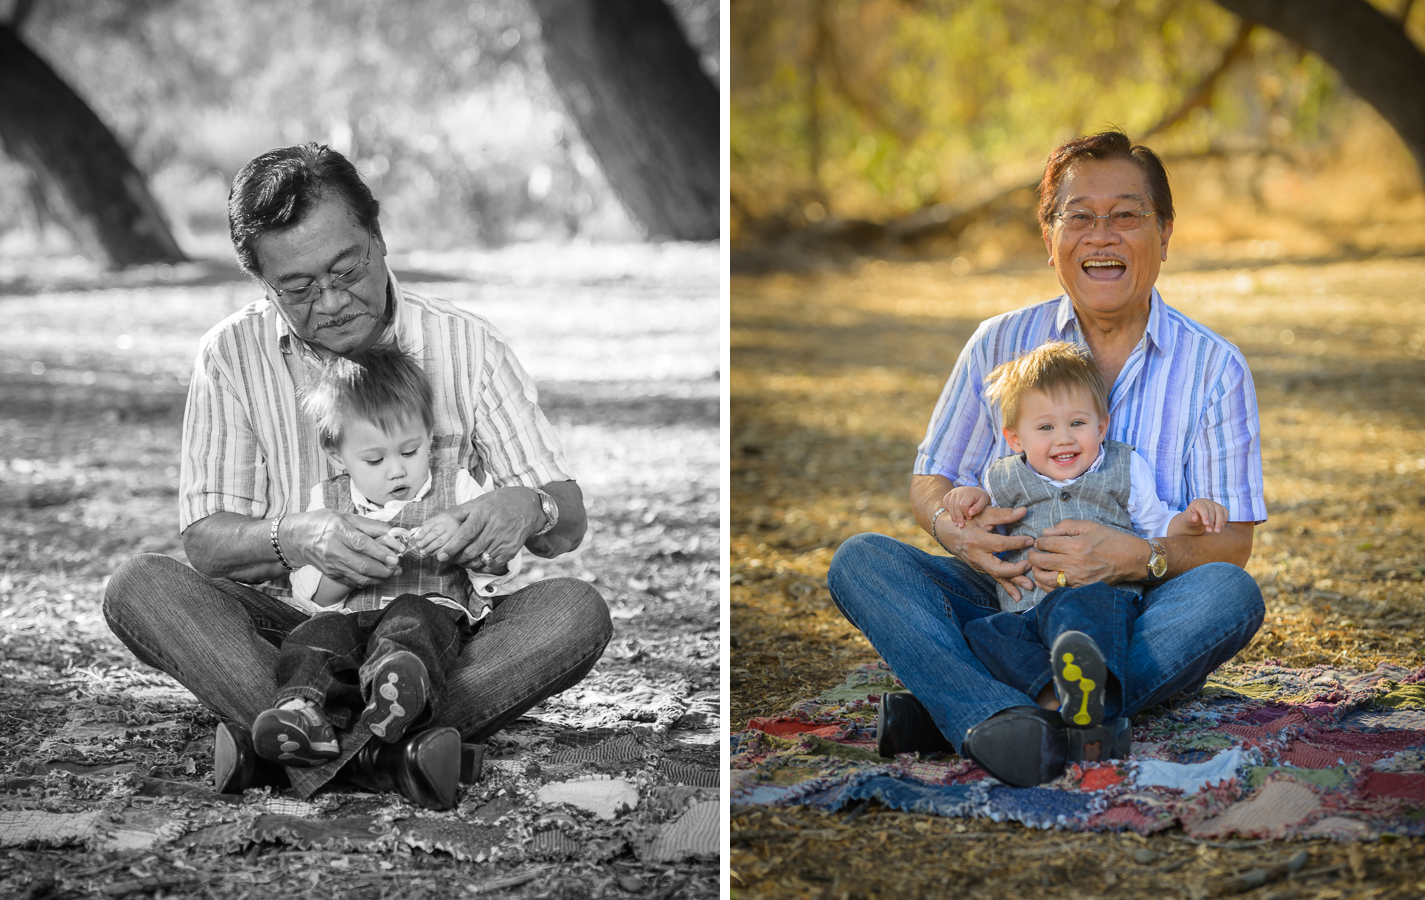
<point x="1184" y="398"/>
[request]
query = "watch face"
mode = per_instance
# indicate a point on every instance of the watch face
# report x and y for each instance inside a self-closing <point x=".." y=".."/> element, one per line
<point x="1158" y="565"/>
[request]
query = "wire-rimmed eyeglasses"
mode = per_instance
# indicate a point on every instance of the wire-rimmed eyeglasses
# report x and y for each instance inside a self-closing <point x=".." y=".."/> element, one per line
<point x="336" y="281"/>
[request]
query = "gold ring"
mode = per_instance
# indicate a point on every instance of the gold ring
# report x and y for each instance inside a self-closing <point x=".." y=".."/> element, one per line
<point x="1063" y="582"/>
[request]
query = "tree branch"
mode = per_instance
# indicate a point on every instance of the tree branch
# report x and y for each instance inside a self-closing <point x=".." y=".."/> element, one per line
<point x="1201" y="96"/>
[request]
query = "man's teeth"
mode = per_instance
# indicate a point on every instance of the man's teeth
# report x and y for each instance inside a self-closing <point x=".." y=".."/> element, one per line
<point x="1101" y="262"/>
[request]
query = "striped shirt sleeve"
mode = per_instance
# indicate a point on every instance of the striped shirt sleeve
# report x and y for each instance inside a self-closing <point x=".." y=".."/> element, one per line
<point x="961" y="437"/>
<point x="223" y="468"/>
<point x="1224" y="461"/>
<point x="512" y="435"/>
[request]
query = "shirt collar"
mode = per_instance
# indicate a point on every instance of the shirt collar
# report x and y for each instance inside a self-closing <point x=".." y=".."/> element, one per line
<point x="1066" y="324"/>
<point x="388" y="512"/>
<point x="288" y="340"/>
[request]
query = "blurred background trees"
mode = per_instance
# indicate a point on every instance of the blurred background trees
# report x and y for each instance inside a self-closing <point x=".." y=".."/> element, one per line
<point x="446" y="106"/>
<point x="921" y="126"/>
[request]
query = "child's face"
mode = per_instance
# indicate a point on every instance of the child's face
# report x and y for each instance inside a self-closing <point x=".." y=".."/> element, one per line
<point x="1058" y="434"/>
<point x="385" y="467"/>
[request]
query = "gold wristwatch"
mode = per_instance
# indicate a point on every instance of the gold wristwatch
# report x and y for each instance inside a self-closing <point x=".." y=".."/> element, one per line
<point x="1157" y="561"/>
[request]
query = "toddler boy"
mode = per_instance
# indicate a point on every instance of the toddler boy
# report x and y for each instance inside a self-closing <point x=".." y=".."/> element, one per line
<point x="1054" y="409"/>
<point x="387" y="646"/>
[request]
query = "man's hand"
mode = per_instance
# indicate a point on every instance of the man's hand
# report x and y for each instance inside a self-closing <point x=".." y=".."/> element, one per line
<point x="345" y="547"/>
<point x="497" y="523"/>
<point x="1087" y="552"/>
<point x="976" y="542"/>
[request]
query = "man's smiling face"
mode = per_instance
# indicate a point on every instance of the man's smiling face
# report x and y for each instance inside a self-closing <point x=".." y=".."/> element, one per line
<point x="1104" y="270"/>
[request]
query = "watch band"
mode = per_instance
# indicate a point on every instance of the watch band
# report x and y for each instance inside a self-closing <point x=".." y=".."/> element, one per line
<point x="551" y="512"/>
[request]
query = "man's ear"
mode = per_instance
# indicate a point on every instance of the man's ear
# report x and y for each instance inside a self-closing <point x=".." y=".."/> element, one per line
<point x="1012" y="437"/>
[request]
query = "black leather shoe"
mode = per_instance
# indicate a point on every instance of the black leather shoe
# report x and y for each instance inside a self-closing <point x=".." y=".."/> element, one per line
<point x="904" y="725"/>
<point x="236" y="765"/>
<point x="472" y="763"/>
<point x="1022" y="745"/>
<point x="1111" y="740"/>
<point x="424" y="767"/>
<point x="1080" y="677"/>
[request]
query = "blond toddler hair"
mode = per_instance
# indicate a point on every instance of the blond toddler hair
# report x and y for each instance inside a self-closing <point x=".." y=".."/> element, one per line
<point x="1050" y="368"/>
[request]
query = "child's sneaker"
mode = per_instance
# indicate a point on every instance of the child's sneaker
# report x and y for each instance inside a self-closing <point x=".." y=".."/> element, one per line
<point x="1079" y="679"/>
<point x="295" y="733"/>
<point x="398" y="695"/>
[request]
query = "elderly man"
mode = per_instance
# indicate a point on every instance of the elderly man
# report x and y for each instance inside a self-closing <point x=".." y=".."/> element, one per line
<point x="306" y="228"/>
<point x="1179" y="393"/>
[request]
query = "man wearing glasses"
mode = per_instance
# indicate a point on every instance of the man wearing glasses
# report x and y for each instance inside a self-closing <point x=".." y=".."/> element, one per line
<point x="306" y="228"/>
<point x="1179" y="393"/>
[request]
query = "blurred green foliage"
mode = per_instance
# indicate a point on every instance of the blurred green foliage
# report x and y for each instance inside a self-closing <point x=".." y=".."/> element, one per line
<point x="444" y="105"/>
<point x="876" y="108"/>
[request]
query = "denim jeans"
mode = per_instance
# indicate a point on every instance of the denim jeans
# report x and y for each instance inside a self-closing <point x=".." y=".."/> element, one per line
<point x="1014" y="647"/>
<point x="220" y="640"/>
<point x="913" y="607"/>
<point x="331" y="658"/>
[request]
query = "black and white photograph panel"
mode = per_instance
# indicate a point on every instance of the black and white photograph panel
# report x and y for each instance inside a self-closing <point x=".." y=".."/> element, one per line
<point x="360" y="448"/>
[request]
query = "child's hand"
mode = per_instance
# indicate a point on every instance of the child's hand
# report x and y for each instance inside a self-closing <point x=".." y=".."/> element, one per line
<point x="397" y="540"/>
<point x="1210" y="514"/>
<point x="1200" y="517"/>
<point x="433" y="533"/>
<point x="964" y="503"/>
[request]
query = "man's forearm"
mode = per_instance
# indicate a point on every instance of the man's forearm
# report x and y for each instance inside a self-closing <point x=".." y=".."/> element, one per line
<point x="228" y="545"/>
<point x="573" y="521"/>
<point x="1232" y="545"/>
<point x="926" y="494"/>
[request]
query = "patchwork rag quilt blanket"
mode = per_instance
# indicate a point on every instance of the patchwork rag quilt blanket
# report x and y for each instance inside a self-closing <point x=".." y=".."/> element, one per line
<point x="1262" y="751"/>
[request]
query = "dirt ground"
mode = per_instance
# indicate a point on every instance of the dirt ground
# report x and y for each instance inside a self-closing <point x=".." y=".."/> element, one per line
<point x="834" y="376"/>
<point x="622" y="342"/>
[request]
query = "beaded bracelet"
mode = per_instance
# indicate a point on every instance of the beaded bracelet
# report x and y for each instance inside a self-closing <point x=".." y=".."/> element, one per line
<point x="935" y="534"/>
<point x="276" y="546"/>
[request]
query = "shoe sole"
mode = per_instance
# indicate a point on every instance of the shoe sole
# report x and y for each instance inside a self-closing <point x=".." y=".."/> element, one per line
<point x="276" y="738"/>
<point x="226" y="755"/>
<point x="398" y="695"/>
<point x="1079" y="679"/>
<point x="1022" y="751"/>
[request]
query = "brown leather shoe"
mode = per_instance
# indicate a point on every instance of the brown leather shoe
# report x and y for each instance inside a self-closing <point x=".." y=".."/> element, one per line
<point x="236" y="765"/>
<point x="424" y="767"/>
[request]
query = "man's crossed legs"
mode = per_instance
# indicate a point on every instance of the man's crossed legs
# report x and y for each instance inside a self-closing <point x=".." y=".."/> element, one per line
<point x="913" y="606"/>
<point x="220" y="640"/>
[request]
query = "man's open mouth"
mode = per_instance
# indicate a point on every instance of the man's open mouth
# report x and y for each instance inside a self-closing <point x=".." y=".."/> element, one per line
<point x="1103" y="269"/>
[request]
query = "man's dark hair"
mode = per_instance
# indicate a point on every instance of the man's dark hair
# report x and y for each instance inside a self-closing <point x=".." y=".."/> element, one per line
<point x="278" y="188"/>
<point x="1104" y="145"/>
<point x="383" y="385"/>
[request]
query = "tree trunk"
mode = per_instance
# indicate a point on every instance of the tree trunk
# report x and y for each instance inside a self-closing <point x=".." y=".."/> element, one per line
<point x="85" y="174"/>
<point x="1372" y="53"/>
<point x="646" y="108"/>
